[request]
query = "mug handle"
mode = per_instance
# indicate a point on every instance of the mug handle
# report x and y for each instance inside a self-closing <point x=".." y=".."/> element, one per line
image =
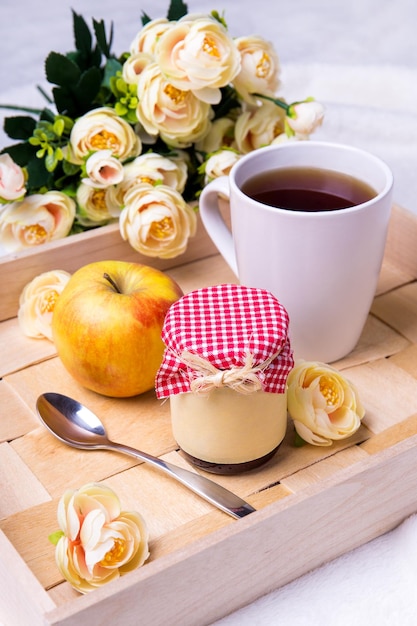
<point x="213" y="221"/>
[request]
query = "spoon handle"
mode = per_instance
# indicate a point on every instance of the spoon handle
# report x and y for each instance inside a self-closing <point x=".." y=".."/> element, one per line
<point x="209" y="490"/>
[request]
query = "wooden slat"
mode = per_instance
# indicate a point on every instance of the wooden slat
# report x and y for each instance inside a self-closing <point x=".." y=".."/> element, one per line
<point x="398" y="309"/>
<point x="13" y="475"/>
<point x="380" y="384"/>
<point x="16" y="417"/>
<point x="376" y="342"/>
<point x="313" y="503"/>
<point x="401" y="242"/>
<point x="268" y="549"/>
<point x="23" y="599"/>
<point x="327" y="467"/>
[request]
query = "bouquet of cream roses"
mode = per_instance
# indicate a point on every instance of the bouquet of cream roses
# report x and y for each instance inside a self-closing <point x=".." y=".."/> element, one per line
<point x="134" y="138"/>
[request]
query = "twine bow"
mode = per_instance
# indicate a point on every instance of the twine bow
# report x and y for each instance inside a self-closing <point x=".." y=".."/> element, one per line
<point x="243" y="379"/>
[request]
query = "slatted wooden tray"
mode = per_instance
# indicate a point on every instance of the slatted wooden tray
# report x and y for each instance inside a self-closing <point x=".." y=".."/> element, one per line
<point x="313" y="504"/>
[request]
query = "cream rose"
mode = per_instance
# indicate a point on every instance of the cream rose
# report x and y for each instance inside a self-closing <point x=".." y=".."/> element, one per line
<point x="155" y="168"/>
<point x="151" y="168"/>
<point x="258" y="127"/>
<point x="147" y="38"/>
<point x="37" y="303"/>
<point x="259" y="68"/>
<point x="177" y="116"/>
<point x="96" y="205"/>
<point x="198" y="55"/>
<point x="99" y="541"/>
<point x="12" y="179"/>
<point x="305" y="117"/>
<point x="102" y="129"/>
<point x="37" y="219"/>
<point x="323" y="404"/>
<point x="103" y="170"/>
<point x="156" y="221"/>
<point x="219" y="164"/>
<point x="134" y="66"/>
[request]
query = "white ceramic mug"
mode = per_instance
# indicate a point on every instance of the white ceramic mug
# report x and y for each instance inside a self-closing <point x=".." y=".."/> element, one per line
<point x="323" y="266"/>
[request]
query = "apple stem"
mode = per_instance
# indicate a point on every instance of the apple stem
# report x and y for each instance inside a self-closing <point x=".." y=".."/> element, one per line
<point x="111" y="281"/>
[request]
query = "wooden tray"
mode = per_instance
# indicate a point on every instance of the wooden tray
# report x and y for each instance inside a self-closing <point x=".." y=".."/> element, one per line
<point x="313" y="504"/>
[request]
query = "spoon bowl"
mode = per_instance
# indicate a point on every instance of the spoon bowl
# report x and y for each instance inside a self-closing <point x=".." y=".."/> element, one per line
<point x="75" y="425"/>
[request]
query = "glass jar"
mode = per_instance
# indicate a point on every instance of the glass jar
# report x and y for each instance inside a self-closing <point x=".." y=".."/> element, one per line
<point x="225" y="368"/>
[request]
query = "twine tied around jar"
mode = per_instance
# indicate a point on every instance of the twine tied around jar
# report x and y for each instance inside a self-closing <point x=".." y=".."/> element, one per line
<point x="243" y="379"/>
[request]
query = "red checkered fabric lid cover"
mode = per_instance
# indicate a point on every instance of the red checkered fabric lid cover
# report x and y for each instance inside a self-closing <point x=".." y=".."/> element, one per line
<point x="225" y="325"/>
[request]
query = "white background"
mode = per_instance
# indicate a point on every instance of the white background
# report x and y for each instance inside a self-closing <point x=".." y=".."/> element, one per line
<point x="358" y="57"/>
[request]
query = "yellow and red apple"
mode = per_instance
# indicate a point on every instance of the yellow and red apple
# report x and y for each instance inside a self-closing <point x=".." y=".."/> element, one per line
<point x="107" y="325"/>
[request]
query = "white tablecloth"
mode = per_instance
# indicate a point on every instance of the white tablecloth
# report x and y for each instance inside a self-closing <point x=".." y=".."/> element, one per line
<point x="360" y="59"/>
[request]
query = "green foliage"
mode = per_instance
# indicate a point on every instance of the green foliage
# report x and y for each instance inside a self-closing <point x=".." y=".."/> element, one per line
<point x="19" y="126"/>
<point x="56" y="536"/>
<point x="219" y="18"/>
<point x="103" y="43"/>
<point x="177" y="10"/>
<point x="80" y="75"/>
<point x="298" y="440"/>
<point x="81" y="81"/>
<point x="229" y="101"/>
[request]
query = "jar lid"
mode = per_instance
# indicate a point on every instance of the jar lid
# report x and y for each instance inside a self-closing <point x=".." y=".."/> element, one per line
<point x="226" y="335"/>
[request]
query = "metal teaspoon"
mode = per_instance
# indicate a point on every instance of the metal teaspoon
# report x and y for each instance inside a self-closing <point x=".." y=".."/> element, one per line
<point x="74" y="424"/>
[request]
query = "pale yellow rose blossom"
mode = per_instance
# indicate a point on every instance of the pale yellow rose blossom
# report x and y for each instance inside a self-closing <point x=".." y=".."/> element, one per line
<point x="157" y="221"/>
<point x="323" y="404"/>
<point x="12" y="179"/>
<point x="165" y="170"/>
<point x="197" y="54"/>
<point x="103" y="170"/>
<point x="37" y="302"/>
<point x="102" y="129"/>
<point x="134" y="66"/>
<point x="219" y="164"/>
<point x="177" y="116"/>
<point x="100" y="542"/>
<point x="147" y="38"/>
<point x="258" y="126"/>
<point x="305" y="117"/>
<point x="35" y="220"/>
<point x="260" y="68"/>
<point x="96" y="205"/>
<point x="151" y="168"/>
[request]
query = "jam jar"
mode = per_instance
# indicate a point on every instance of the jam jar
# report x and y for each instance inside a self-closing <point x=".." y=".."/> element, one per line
<point x="225" y="367"/>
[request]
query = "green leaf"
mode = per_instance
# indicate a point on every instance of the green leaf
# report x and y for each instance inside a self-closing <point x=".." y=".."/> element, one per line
<point x="102" y="41"/>
<point x="88" y="87"/>
<point x="21" y="153"/>
<point x="50" y="162"/>
<point x="228" y="102"/>
<point x="77" y="99"/>
<point x="299" y="441"/>
<point x="38" y="175"/>
<point x="177" y="10"/>
<point x="82" y="35"/>
<point x="47" y="115"/>
<point x="64" y="102"/>
<point x="58" y="126"/>
<point x="219" y="18"/>
<point x="145" y="18"/>
<point x="56" y="536"/>
<point x="110" y="70"/>
<point x="60" y="70"/>
<point x="70" y="169"/>
<point x="19" y="127"/>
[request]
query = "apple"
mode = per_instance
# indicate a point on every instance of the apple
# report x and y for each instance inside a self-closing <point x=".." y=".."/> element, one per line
<point x="107" y="325"/>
